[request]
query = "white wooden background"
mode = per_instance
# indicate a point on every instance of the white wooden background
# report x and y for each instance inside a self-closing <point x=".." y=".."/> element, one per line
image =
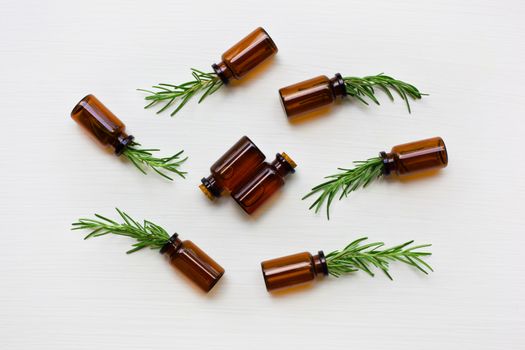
<point x="59" y="292"/>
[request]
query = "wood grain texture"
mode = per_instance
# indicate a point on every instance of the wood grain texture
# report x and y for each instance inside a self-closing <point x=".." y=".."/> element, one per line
<point x="59" y="292"/>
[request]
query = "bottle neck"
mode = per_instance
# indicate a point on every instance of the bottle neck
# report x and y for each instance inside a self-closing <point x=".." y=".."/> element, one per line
<point x="337" y="84"/>
<point x="223" y="71"/>
<point x="320" y="265"/>
<point x="210" y="187"/>
<point x="389" y="162"/>
<point x="121" y="142"/>
<point x="172" y="246"/>
<point x="283" y="164"/>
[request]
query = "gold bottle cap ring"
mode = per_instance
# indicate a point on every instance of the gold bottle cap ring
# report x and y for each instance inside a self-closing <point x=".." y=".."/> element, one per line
<point x="289" y="160"/>
<point x="206" y="192"/>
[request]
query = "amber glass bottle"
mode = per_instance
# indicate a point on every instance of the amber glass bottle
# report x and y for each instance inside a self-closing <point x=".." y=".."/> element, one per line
<point x="268" y="178"/>
<point x="193" y="262"/>
<point x="416" y="156"/>
<point x="293" y="269"/>
<point x="238" y="163"/>
<point x="311" y="94"/>
<point x="245" y="55"/>
<point x="243" y="172"/>
<point x="100" y="123"/>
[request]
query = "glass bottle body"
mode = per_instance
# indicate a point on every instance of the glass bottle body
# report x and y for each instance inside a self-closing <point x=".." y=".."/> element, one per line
<point x="267" y="179"/>
<point x="293" y="270"/>
<point x="230" y="170"/>
<point x="248" y="53"/>
<point x="311" y="94"/>
<point x="414" y="157"/>
<point x="193" y="262"/>
<point x="101" y="123"/>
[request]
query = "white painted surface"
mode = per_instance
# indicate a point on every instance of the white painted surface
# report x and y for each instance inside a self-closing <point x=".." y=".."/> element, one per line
<point x="59" y="292"/>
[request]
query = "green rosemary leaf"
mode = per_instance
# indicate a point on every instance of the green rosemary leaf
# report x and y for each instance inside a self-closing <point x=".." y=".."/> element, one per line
<point x="162" y="174"/>
<point x="129" y="219"/>
<point x="419" y="247"/>
<point x="180" y="94"/>
<point x="147" y="235"/>
<point x="421" y="262"/>
<point x="370" y="245"/>
<point x="104" y="218"/>
<point x="359" y="87"/>
<point x="166" y="106"/>
<point x="356" y="242"/>
<point x="385" y="89"/>
<point x="354" y="257"/>
<point x="93" y="233"/>
<point x="161" y="88"/>
<point x="361" y="99"/>
<point x="185" y="100"/>
<point x="348" y="180"/>
<point x="213" y="87"/>
<point x="143" y="158"/>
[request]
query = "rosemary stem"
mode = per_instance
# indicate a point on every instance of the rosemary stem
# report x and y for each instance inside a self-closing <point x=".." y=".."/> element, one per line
<point x="355" y="257"/>
<point x="179" y="95"/>
<point x="361" y="88"/>
<point x="146" y="234"/>
<point x="346" y="181"/>
<point x="144" y="158"/>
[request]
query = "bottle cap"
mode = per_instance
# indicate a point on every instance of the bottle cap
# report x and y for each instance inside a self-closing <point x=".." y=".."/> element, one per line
<point x="206" y="192"/>
<point x="289" y="160"/>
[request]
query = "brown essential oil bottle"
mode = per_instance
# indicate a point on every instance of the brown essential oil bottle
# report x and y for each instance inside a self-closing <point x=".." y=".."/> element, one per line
<point x="242" y="57"/>
<point x="293" y="269"/>
<point x="266" y="180"/>
<point x="101" y="123"/>
<point x="192" y="262"/>
<point x="238" y="163"/>
<point x="311" y="94"/>
<point x="242" y="172"/>
<point x="414" y="157"/>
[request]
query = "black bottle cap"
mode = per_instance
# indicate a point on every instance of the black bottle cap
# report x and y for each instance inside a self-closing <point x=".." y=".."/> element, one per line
<point x="168" y="243"/>
<point x="322" y="259"/>
<point x="122" y="144"/>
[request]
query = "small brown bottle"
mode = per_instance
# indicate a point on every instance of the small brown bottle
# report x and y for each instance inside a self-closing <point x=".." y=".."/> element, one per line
<point x="241" y="58"/>
<point x="192" y="262"/>
<point x="311" y="94"/>
<point x="293" y="269"/>
<point x="238" y="163"/>
<point x="268" y="178"/>
<point x="243" y="172"/>
<point x="100" y="123"/>
<point x="414" y="157"/>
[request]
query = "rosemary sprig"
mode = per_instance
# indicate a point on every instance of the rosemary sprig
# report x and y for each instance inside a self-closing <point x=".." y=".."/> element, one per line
<point x="364" y="87"/>
<point x="355" y="257"/>
<point x="170" y="94"/>
<point x="147" y="235"/>
<point x="346" y="181"/>
<point x="143" y="158"/>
